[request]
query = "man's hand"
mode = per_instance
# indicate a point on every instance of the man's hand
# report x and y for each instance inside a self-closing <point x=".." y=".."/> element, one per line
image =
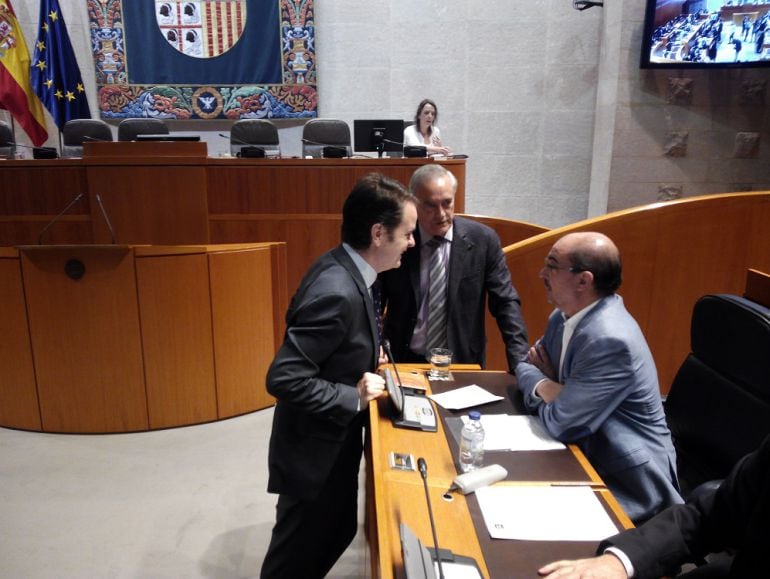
<point x="383" y="359"/>
<point x="605" y="566"/>
<point x="370" y="386"/>
<point x="539" y="358"/>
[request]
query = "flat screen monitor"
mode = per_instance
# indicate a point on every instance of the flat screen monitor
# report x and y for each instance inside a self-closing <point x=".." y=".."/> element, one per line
<point x="378" y="135"/>
<point x="706" y="34"/>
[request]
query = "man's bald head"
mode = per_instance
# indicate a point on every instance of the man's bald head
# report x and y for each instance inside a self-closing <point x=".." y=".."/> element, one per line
<point x="594" y="252"/>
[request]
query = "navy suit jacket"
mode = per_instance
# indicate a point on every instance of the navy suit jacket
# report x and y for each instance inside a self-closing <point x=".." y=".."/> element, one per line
<point x="477" y="269"/>
<point x="734" y="517"/>
<point x="610" y="406"/>
<point x="330" y="341"/>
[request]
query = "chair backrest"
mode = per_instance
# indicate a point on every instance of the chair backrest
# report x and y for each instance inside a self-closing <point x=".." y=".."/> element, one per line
<point x="78" y="131"/>
<point x="255" y="132"/>
<point x="6" y="140"/>
<point x="128" y="129"/>
<point x="319" y="133"/>
<point x="718" y="408"/>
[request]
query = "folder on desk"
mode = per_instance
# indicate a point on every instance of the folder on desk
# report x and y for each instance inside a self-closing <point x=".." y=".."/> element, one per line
<point x="411" y="408"/>
<point x="420" y="562"/>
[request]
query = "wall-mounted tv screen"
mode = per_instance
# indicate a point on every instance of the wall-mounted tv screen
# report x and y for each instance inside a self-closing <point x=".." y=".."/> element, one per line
<point x="706" y="33"/>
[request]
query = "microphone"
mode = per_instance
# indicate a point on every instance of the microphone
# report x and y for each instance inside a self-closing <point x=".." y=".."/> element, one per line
<point x="248" y="150"/>
<point x="329" y="151"/>
<point x="94" y="139"/>
<point x="106" y="219"/>
<point x="37" y="152"/>
<point x="389" y="354"/>
<point x="55" y="219"/>
<point x="423" y="468"/>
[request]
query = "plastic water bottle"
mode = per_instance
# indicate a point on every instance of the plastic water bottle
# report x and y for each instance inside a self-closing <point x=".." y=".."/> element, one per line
<point x="472" y="443"/>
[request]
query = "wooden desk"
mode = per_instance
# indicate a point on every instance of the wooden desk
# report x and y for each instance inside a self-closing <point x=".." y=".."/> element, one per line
<point x="395" y="496"/>
<point x="171" y="193"/>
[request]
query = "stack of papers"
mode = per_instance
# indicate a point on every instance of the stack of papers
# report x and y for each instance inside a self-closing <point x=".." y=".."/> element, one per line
<point x="507" y="432"/>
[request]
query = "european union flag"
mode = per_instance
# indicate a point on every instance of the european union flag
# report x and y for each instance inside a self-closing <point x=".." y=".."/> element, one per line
<point x="55" y="74"/>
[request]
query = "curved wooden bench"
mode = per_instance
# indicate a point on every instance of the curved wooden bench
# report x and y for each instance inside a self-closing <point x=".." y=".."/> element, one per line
<point x="673" y="253"/>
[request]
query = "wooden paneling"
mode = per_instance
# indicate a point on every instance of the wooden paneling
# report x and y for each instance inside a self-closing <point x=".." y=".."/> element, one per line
<point x="133" y="344"/>
<point x="85" y="338"/>
<point x="243" y="328"/>
<point x="150" y="204"/>
<point x="19" y="406"/>
<point x="177" y="339"/>
<point x="673" y="253"/>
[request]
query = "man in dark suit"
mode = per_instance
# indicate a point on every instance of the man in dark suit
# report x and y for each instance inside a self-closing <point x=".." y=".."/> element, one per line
<point x="323" y="379"/>
<point x="733" y="518"/>
<point x="476" y="270"/>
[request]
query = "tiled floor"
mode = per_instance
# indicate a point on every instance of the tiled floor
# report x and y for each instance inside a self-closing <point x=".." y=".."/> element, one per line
<point x="185" y="502"/>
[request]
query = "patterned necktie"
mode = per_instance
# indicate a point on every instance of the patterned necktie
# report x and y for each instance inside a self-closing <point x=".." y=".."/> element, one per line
<point x="437" y="276"/>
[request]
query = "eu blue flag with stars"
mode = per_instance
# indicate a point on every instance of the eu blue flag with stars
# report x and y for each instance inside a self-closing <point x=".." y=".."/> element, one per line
<point x="55" y="74"/>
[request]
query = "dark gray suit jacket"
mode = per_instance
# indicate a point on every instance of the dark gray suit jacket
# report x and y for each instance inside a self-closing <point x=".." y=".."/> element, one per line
<point x="330" y="341"/>
<point x="477" y="270"/>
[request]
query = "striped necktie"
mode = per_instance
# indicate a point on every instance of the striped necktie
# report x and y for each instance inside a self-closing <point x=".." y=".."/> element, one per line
<point x="437" y="278"/>
<point x="377" y="302"/>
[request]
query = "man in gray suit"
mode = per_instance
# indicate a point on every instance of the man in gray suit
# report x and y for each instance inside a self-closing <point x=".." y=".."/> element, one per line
<point x="323" y="377"/>
<point x="592" y="379"/>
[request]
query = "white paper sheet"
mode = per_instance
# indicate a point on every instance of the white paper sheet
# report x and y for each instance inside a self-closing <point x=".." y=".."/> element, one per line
<point x="508" y="432"/>
<point x="464" y="397"/>
<point x="544" y="513"/>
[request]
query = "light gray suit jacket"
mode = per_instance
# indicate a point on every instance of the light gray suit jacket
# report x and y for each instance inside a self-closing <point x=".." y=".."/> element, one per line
<point x="610" y="406"/>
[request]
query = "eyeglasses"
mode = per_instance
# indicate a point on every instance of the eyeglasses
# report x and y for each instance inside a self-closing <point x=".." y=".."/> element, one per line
<point x="555" y="267"/>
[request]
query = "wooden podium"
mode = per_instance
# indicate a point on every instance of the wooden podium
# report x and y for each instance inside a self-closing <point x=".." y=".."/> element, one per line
<point x="118" y="338"/>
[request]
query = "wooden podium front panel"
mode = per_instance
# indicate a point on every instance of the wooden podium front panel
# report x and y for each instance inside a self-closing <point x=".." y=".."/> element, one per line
<point x="244" y="340"/>
<point x="18" y="391"/>
<point x="150" y="204"/>
<point x="175" y="314"/>
<point x="34" y="192"/>
<point x="85" y="339"/>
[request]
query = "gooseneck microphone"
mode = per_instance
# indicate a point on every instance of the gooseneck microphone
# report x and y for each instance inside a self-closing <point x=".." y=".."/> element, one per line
<point x="423" y="467"/>
<point x="106" y="219"/>
<point x="77" y="198"/>
<point x="389" y="354"/>
<point x="328" y="151"/>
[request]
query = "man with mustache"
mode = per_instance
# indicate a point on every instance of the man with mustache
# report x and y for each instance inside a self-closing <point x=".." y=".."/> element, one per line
<point x="592" y="380"/>
<point x="461" y="262"/>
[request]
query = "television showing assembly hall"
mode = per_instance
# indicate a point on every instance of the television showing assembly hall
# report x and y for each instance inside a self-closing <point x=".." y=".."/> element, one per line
<point x="708" y="33"/>
<point x="325" y="289"/>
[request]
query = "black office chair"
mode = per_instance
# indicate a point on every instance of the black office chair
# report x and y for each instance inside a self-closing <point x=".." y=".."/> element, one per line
<point x="6" y="141"/>
<point x="78" y="131"/>
<point x="259" y="133"/>
<point x="326" y="138"/>
<point x="128" y="129"/>
<point x="718" y="408"/>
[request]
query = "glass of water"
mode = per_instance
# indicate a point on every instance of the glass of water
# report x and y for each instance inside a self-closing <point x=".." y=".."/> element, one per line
<point x="440" y="361"/>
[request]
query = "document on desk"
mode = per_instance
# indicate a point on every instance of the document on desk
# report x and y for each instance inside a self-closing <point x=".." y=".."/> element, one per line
<point x="544" y="513"/>
<point x="508" y="432"/>
<point x="464" y="397"/>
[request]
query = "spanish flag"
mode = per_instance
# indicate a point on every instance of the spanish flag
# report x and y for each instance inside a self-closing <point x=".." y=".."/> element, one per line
<point x="16" y="95"/>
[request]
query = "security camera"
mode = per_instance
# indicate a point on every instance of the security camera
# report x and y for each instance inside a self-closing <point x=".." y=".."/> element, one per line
<point x="585" y="4"/>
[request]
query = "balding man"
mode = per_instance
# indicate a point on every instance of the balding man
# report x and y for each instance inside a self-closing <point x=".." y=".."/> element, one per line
<point x="592" y="379"/>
